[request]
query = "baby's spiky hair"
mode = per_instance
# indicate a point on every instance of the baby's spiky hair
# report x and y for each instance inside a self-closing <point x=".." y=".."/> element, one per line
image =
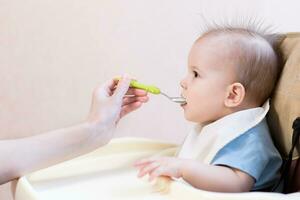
<point x="255" y="48"/>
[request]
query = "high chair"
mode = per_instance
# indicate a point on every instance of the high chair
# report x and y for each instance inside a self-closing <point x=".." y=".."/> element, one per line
<point x="68" y="180"/>
<point x="285" y="108"/>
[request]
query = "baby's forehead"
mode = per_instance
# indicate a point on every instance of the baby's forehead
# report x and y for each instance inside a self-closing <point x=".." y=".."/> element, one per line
<point x="214" y="51"/>
<point x="221" y="44"/>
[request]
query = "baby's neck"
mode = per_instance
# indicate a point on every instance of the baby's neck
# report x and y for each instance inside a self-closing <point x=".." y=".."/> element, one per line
<point x="228" y="111"/>
<point x="243" y="106"/>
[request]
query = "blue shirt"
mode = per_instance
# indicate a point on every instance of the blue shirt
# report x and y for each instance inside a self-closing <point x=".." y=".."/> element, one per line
<point x="253" y="153"/>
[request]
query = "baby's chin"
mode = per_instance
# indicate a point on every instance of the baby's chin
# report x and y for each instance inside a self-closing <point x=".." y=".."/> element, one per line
<point x="197" y="119"/>
<point x="191" y="118"/>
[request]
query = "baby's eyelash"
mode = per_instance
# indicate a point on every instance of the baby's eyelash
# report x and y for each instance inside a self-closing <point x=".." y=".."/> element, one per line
<point x="195" y="74"/>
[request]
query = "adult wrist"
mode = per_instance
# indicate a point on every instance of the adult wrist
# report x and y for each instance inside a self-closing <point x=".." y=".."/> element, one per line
<point x="99" y="133"/>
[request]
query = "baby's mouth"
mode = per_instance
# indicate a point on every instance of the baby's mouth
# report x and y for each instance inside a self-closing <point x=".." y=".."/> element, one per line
<point x="184" y="103"/>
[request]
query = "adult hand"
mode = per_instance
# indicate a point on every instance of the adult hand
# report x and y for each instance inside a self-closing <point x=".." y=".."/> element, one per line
<point x="112" y="100"/>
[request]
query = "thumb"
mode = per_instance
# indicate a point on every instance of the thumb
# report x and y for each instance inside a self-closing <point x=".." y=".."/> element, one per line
<point x="122" y="87"/>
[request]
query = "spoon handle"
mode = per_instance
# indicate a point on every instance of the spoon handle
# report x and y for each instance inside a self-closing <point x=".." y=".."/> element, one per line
<point x="149" y="88"/>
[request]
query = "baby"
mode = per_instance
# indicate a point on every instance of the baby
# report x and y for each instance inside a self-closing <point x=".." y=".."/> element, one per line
<point x="231" y="74"/>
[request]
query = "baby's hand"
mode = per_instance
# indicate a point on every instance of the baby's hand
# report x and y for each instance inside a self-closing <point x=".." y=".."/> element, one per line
<point x="160" y="166"/>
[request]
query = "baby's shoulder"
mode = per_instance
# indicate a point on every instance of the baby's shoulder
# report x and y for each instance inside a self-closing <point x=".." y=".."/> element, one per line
<point x="255" y="140"/>
<point x="259" y="134"/>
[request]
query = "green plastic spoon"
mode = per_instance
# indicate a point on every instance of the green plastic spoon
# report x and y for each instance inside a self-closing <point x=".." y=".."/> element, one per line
<point x="154" y="90"/>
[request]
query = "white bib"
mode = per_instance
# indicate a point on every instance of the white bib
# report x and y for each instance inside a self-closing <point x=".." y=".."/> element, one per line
<point x="203" y="143"/>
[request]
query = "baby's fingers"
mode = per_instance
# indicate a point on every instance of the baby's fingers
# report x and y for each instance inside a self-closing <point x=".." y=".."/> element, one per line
<point x="156" y="173"/>
<point x="148" y="169"/>
<point x="144" y="161"/>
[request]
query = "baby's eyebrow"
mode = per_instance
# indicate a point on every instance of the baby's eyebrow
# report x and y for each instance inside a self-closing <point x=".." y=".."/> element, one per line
<point x="196" y="68"/>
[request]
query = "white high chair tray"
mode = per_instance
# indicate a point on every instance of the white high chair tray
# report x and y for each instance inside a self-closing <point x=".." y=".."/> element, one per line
<point x="107" y="173"/>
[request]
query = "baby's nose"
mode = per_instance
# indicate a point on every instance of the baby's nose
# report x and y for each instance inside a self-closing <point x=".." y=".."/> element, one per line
<point x="183" y="84"/>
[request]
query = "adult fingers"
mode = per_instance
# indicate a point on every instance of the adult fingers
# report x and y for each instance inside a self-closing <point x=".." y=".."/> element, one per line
<point x="130" y="107"/>
<point x="129" y="100"/>
<point x="122" y="87"/>
<point x="136" y="92"/>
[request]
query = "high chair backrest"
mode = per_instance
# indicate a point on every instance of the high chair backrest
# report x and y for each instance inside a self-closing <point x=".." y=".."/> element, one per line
<point x="285" y="103"/>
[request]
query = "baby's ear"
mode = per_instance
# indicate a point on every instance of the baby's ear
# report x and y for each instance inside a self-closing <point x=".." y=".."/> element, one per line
<point x="235" y="94"/>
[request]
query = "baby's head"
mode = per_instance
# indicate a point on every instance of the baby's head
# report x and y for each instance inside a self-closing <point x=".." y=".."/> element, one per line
<point x="229" y="69"/>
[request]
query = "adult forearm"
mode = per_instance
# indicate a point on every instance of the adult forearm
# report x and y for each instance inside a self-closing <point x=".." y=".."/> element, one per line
<point x="24" y="155"/>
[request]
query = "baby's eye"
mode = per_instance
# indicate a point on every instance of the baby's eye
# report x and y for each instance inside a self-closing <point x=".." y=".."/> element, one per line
<point x="195" y="74"/>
